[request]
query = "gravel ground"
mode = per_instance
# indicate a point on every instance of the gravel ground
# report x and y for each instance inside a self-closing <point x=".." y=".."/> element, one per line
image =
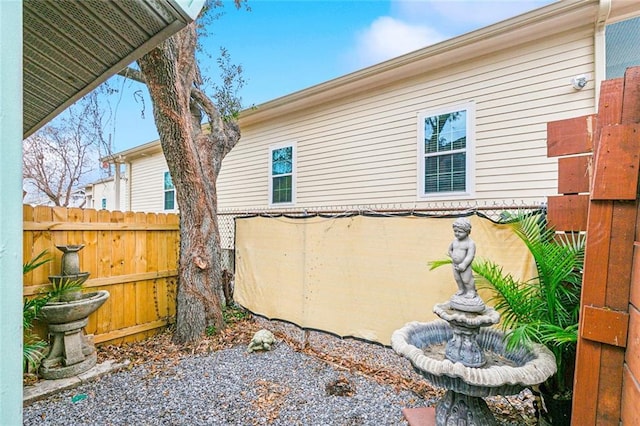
<point x="309" y="378"/>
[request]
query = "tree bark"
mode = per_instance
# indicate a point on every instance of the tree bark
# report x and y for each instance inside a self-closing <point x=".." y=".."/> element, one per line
<point x="194" y="158"/>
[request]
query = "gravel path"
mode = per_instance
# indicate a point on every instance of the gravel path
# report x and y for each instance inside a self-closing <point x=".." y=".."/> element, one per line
<point x="285" y="386"/>
<point x="229" y="387"/>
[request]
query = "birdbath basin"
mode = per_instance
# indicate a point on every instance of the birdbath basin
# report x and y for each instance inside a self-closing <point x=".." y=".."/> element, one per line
<point x="502" y="373"/>
<point x="66" y="312"/>
<point x="71" y="351"/>
<point x="505" y="372"/>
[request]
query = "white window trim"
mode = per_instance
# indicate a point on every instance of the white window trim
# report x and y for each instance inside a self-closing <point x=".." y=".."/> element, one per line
<point x="164" y="193"/>
<point x="294" y="156"/>
<point x="470" y="157"/>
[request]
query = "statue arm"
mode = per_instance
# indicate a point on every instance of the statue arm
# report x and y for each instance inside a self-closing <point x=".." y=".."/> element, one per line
<point x="471" y="253"/>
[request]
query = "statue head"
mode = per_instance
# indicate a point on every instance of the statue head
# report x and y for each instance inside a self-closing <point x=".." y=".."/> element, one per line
<point x="463" y="224"/>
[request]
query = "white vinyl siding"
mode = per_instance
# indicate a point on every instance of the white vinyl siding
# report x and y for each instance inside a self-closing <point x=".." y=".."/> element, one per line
<point x="102" y="194"/>
<point x="147" y="174"/>
<point x="361" y="150"/>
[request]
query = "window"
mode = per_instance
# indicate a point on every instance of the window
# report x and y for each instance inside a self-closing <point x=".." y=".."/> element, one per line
<point x="445" y="155"/>
<point x="282" y="174"/>
<point x="104" y="203"/>
<point x="169" y="193"/>
<point x="622" y="40"/>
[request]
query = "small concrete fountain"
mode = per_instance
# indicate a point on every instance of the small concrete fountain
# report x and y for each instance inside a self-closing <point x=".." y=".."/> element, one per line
<point x="71" y="351"/>
<point x="462" y="354"/>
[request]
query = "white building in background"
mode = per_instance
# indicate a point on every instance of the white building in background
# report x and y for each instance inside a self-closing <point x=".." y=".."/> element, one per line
<point x="101" y="194"/>
<point x="146" y="184"/>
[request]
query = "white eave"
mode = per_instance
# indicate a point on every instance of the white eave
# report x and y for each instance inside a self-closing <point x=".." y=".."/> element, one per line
<point x="558" y="17"/>
<point x="144" y="150"/>
<point x="70" y="47"/>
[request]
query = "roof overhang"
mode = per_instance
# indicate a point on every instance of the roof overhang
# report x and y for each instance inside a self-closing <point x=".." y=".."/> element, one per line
<point x="555" y="18"/>
<point x="145" y="150"/>
<point x="70" y="46"/>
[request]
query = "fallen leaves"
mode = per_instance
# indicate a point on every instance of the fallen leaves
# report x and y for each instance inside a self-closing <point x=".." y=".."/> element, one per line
<point x="161" y="348"/>
<point x="270" y="400"/>
<point x="340" y="387"/>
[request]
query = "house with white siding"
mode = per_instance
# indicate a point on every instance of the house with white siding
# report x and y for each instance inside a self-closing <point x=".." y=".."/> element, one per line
<point x="102" y="194"/>
<point x="148" y="186"/>
<point x="461" y="121"/>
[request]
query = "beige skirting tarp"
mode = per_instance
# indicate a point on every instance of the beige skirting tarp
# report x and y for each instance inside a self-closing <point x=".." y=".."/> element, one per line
<point x="357" y="276"/>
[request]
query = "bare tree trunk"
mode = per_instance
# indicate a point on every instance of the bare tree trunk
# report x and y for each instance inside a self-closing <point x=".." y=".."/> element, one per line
<point x="194" y="159"/>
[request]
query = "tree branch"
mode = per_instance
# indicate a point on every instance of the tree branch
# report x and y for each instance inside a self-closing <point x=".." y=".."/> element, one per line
<point x="205" y="103"/>
<point x="132" y="74"/>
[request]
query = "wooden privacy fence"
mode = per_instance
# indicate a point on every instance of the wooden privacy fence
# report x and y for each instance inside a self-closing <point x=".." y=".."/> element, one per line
<point x="598" y="175"/>
<point x="134" y="256"/>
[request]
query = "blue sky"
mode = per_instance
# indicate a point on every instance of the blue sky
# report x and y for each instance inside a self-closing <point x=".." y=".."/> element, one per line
<point x="286" y="46"/>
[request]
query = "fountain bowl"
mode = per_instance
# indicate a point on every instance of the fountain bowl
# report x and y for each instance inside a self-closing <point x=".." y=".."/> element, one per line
<point x="65" y="312"/>
<point x="70" y="248"/>
<point x="506" y="372"/>
<point x="63" y="280"/>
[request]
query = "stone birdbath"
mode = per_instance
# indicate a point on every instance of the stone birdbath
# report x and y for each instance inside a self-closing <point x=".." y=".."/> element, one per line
<point x="463" y="354"/>
<point x="71" y="352"/>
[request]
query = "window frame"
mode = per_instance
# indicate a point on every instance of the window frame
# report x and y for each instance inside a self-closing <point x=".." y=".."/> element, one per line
<point x="293" y="174"/>
<point x="166" y="190"/>
<point x="469" y="192"/>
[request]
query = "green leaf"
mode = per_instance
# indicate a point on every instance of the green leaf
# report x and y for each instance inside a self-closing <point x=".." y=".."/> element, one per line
<point x="39" y="260"/>
<point x="438" y="263"/>
<point x="32" y="351"/>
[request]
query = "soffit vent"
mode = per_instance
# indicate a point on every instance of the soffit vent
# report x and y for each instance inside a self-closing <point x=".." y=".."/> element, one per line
<point x="71" y="46"/>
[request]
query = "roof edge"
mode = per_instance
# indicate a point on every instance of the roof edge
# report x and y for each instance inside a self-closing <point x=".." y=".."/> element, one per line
<point x="127" y="155"/>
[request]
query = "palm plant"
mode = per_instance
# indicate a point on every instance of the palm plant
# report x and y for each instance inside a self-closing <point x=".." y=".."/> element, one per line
<point x="37" y="261"/>
<point x="64" y="289"/>
<point x="32" y="346"/>
<point x="544" y="309"/>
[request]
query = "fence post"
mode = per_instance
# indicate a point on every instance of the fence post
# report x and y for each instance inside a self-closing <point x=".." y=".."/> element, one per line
<point x="611" y="227"/>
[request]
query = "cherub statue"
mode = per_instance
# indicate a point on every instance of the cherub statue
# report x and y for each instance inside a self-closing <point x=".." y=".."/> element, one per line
<point x="462" y="251"/>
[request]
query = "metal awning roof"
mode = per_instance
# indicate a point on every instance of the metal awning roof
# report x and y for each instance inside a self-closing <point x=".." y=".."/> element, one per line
<point x="70" y="46"/>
